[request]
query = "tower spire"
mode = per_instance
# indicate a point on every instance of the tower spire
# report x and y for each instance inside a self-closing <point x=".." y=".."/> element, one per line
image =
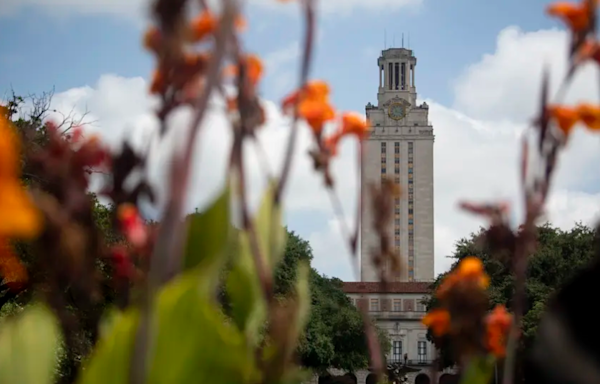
<point x="402" y="39"/>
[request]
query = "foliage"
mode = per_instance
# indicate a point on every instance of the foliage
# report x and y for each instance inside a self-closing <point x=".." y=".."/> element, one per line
<point x="196" y="300"/>
<point x="559" y="256"/>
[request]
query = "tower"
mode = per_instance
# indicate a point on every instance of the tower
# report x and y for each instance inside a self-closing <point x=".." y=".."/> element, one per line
<point x="400" y="148"/>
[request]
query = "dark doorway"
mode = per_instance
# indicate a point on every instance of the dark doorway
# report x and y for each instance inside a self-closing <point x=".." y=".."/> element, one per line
<point x="422" y="378"/>
<point x="348" y="378"/>
<point x="371" y="379"/>
<point x="448" y="378"/>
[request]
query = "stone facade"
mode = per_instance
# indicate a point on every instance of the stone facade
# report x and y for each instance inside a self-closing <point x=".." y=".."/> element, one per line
<point x="400" y="148"/>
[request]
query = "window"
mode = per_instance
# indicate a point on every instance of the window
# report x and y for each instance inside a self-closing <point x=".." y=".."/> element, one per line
<point x="411" y="274"/>
<point x="397" y="144"/>
<point x="397" y="211"/>
<point x="397" y="305"/>
<point x="410" y="181"/>
<point x="410" y="221"/>
<point x="397" y="180"/>
<point x="397" y="160"/>
<point x="397" y="150"/>
<point x="374" y="305"/>
<point x="410" y="170"/>
<point x="420" y="307"/>
<point x="397" y="170"/>
<point x="383" y="170"/>
<point x="397" y="241"/>
<point x="397" y="222"/>
<point x="397" y="231"/>
<point x="422" y="347"/>
<point x="397" y="351"/>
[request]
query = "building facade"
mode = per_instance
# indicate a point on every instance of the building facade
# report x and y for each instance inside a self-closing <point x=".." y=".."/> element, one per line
<point x="400" y="149"/>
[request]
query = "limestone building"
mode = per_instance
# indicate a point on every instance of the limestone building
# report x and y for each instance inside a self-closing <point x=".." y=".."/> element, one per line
<point x="400" y="148"/>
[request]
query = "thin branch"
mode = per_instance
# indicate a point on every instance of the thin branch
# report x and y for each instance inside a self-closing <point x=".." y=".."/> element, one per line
<point x="306" y="60"/>
<point x="169" y="234"/>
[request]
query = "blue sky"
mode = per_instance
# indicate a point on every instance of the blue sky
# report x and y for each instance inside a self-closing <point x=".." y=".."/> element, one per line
<point x="45" y="51"/>
<point x="480" y="76"/>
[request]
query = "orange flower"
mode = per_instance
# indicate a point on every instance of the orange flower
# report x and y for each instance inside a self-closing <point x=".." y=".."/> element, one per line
<point x="470" y="269"/>
<point x="498" y="324"/>
<point x="159" y="83"/>
<point x="316" y="113"/>
<point x="438" y="320"/>
<point x="575" y="16"/>
<point x="565" y="117"/>
<point x="589" y="115"/>
<point x="254" y="69"/>
<point x="313" y="104"/>
<point x="317" y="90"/>
<point x="19" y="216"/>
<point x="203" y="25"/>
<point x="354" y="124"/>
<point x="152" y="39"/>
<point x="12" y="270"/>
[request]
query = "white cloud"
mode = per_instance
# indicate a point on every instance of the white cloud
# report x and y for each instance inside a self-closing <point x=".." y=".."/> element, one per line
<point x="138" y="8"/>
<point x="475" y="149"/>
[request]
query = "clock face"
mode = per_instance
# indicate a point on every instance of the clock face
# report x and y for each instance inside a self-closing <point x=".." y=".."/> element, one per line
<point x="397" y="111"/>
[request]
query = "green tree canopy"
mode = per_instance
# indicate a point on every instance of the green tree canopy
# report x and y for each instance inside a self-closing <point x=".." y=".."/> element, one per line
<point x="334" y="336"/>
<point x="559" y="256"/>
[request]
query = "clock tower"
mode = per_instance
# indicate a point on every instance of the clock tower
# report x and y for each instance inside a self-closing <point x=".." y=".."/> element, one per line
<point x="400" y="149"/>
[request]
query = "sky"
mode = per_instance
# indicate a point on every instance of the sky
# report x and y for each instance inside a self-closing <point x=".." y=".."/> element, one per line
<point x="479" y="68"/>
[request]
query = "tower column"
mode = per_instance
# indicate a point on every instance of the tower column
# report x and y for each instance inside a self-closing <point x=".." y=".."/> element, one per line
<point x="413" y="75"/>
<point x="380" y="76"/>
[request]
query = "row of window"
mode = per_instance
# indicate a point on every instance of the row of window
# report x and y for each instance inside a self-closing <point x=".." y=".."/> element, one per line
<point x="396" y="305"/>
<point x="397" y="240"/>
<point x="411" y="242"/>
<point x="397" y="351"/>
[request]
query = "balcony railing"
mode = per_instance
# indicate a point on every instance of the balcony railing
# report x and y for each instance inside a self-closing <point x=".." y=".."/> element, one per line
<point x="397" y="315"/>
<point x="410" y="363"/>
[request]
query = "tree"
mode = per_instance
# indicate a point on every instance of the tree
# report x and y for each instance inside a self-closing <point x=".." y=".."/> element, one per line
<point x="559" y="256"/>
<point x="334" y="336"/>
<point x="76" y="312"/>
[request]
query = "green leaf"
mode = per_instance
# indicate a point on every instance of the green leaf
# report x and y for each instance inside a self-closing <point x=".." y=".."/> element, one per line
<point x="110" y="361"/>
<point x="302" y="296"/>
<point x="479" y="370"/>
<point x="208" y="233"/>
<point x="28" y="347"/>
<point x="269" y="228"/>
<point x="195" y="343"/>
<point x="248" y="307"/>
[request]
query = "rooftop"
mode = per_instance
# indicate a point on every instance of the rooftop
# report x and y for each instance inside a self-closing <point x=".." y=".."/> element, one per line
<point x="378" y="287"/>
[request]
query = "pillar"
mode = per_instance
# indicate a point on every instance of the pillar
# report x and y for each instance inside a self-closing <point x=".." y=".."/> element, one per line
<point x="380" y="75"/>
